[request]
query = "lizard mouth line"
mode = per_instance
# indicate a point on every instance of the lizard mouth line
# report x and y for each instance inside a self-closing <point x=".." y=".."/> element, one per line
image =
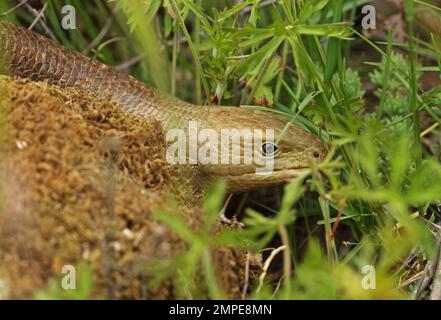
<point x="252" y="181"/>
<point x="287" y="174"/>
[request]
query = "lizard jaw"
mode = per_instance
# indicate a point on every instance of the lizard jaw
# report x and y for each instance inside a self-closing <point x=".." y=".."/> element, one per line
<point x="251" y="181"/>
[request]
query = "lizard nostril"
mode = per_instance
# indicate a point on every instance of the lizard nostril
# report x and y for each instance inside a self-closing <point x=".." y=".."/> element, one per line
<point x="316" y="155"/>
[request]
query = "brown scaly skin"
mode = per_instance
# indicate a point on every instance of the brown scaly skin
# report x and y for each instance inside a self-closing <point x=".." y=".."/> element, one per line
<point x="28" y="55"/>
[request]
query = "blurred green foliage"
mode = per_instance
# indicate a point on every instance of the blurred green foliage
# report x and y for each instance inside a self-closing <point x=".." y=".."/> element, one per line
<point x="83" y="286"/>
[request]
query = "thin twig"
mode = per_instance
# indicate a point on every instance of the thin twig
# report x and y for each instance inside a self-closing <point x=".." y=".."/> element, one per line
<point x="14" y="8"/>
<point x="279" y="284"/>
<point x="179" y="40"/>
<point x="221" y="214"/>
<point x="336" y="223"/>
<point x="38" y="15"/>
<point x="41" y="22"/>
<point x="411" y="280"/>
<point x="267" y="264"/>
<point x="247" y="277"/>
<point x="100" y="35"/>
<point x="406" y="262"/>
<point x="286" y="255"/>
<point x="124" y="67"/>
<point x="424" y="281"/>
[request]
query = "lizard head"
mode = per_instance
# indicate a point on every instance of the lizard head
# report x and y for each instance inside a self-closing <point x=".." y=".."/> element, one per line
<point x="253" y="149"/>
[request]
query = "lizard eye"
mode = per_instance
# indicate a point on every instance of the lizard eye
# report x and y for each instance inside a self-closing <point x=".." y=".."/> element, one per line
<point x="269" y="149"/>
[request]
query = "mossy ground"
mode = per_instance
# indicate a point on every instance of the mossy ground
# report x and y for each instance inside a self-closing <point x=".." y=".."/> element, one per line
<point x="80" y="181"/>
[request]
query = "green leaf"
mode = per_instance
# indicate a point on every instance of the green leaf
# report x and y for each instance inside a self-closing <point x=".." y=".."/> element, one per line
<point x="339" y="30"/>
<point x="398" y="153"/>
<point x="214" y="201"/>
<point x="235" y="9"/>
<point x="292" y="193"/>
<point x="177" y="224"/>
<point x="333" y="51"/>
<point x="306" y="67"/>
<point x="425" y="183"/>
<point x="255" y="60"/>
<point x="310" y="7"/>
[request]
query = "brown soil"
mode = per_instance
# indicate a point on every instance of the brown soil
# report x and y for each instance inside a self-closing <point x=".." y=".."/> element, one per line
<point x="79" y="181"/>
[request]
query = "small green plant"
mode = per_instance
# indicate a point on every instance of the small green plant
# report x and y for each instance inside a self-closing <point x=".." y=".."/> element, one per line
<point x="184" y="268"/>
<point x="83" y="287"/>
